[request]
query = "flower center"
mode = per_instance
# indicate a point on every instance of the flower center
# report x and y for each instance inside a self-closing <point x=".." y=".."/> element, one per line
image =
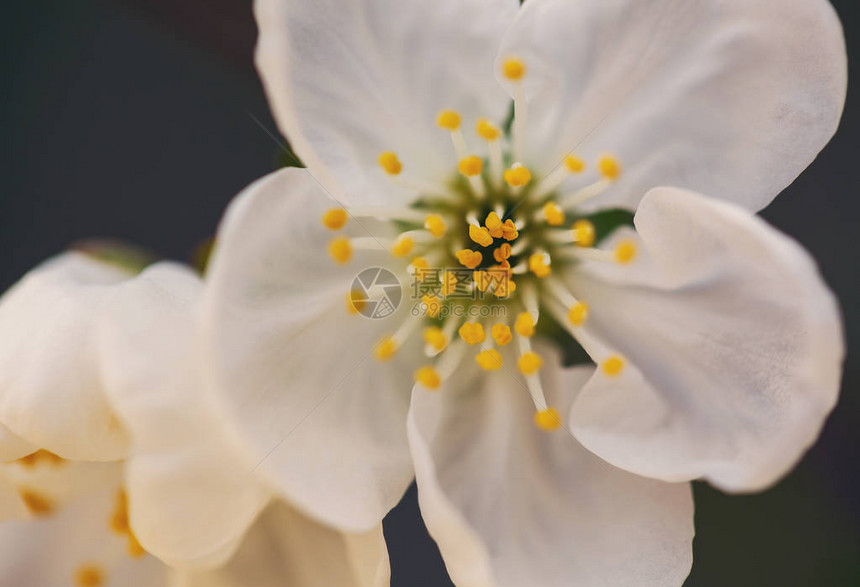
<point x="492" y="235"/>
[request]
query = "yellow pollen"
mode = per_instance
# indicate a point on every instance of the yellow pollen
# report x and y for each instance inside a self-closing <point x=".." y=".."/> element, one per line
<point x="553" y="213"/>
<point x="449" y="283"/>
<point x="435" y="338"/>
<point x="539" y="265"/>
<point x="433" y="304"/>
<point x="471" y="166"/>
<point x="487" y="130"/>
<point x="525" y="325"/>
<point x="482" y="280"/>
<point x="529" y="363"/>
<point x="435" y="225"/>
<point x="513" y="69"/>
<point x="584" y="233"/>
<point x="428" y="377"/>
<point x="501" y="333"/>
<point x="402" y="246"/>
<point x="449" y="119"/>
<point x="480" y="235"/>
<point x="609" y="167"/>
<point x="38" y="457"/>
<point x="133" y="546"/>
<point x="334" y="219"/>
<point x="37" y="504"/>
<point x="625" y="252"/>
<point x="502" y="253"/>
<point x="89" y="576"/>
<point x="574" y="164"/>
<point x="494" y="225"/>
<point x="472" y="332"/>
<point x="340" y="250"/>
<point x="386" y="349"/>
<point x="118" y="521"/>
<point x="517" y="176"/>
<point x="489" y="360"/>
<point x="421" y="268"/>
<point x="355" y="302"/>
<point x="469" y="258"/>
<point x="509" y="230"/>
<point x="578" y="313"/>
<point x="390" y="163"/>
<point x="505" y="287"/>
<point x="613" y="365"/>
<point x="548" y="419"/>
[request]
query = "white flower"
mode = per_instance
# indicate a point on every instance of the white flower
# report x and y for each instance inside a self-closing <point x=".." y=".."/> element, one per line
<point x="718" y="346"/>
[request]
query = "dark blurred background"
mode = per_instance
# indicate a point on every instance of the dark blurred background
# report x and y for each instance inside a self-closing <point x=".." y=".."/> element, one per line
<point x="140" y="120"/>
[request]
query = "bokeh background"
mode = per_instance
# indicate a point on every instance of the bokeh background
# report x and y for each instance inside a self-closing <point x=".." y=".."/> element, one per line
<point x="140" y="119"/>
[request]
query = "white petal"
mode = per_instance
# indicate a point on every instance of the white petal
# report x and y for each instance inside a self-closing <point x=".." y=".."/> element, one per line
<point x="12" y="446"/>
<point x="734" y="343"/>
<point x="326" y="422"/>
<point x="190" y="495"/>
<point x="348" y="81"/>
<point x="50" y="394"/>
<point x="286" y="548"/>
<point x="728" y="98"/>
<point x="511" y="505"/>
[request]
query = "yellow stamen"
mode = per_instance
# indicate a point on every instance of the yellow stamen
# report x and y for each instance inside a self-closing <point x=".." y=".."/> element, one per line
<point x="517" y="176"/>
<point x="513" y="69"/>
<point x="501" y="333"/>
<point x="472" y="332"/>
<point x="489" y="360"/>
<point x="386" y="349"/>
<point x="613" y="365"/>
<point x="449" y="283"/>
<point x="334" y="219"/>
<point x="428" y="377"/>
<point x="435" y="338"/>
<point x="578" y="313"/>
<point x="355" y="302"/>
<point x="502" y="252"/>
<point x="553" y="213"/>
<point x="390" y="163"/>
<point x="609" y="167"/>
<point x="487" y="130"/>
<point x="505" y="287"/>
<point x="433" y="305"/>
<point x="509" y="230"/>
<point x="421" y="268"/>
<point x="38" y="457"/>
<point x="482" y="280"/>
<point x="449" y="119"/>
<point x="584" y="233"/>
<point x="625" y="252"/>
<point x="340" y="250"/>
<point x="574" y="164"/>
<point x="37" y="504"/>
<point x="539" y="265"/>
<point x="133" y="547"/>
<point x="548" y="419"/>
<point x="494" y="225"/>
<point x="89" y="576"/>
<point x="529" y="363"/>
<point x="480" y="235"/>
<point x="402" y="246"/>
<point x="469" y="258"/>
<point x="118" y="521"/>
<point x="471" y="166"/>
<point x="436" y="225"/>
<point x="525" y="325"/>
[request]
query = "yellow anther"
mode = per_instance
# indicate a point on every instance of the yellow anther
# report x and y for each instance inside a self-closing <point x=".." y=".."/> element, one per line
<point x="355" y="302"/>
<point x="471" y="166"/>
<point x="469" y="258"/>
<point x="428" y="377"/>
<point x="494" y="225"/>
<point x="472" y="332"/>
<point x="449" y="119"/>
<point x="553" y="213"/>
<point x="435" y="225"/>
<point x="539" y="265"/>
<point x="548" y="419"/>
<point x="89" y="576"/>
<point x="402" y="246"/>
<point x="609" y="167"/>
<point x="513" y="69"/>
<point x="385" y="349"/>
<point x="489" y="360"/>
<point x="334" y="219"/>
<point x="39" y="457"/>
<point x="505" y="287"/>
<point x="449" y="283"/>
<point x="118" y="521"/>
<point x="501" y="333"/>
<point x="487" y="130"/>
<point x="133" y="546"/>
<point x="37" y="504"/>
<point x="517" y="176"/>
<point x="435" y="338"/>
<point x="525" y="325"/>
<point x="502" y="252"/>
<point x="529" y="363"/>
<point x="574" y="164"/>
<point x="584" y="233"/>
<point x="578" y="313"/>
<point x="482" y="280"/>
<point x="390" y="163"/>
<point x="433" y="305"/>
<point x="421" y="268"/>
<point x="625" y="252"/>
<point x="613" y="365"/>
<point x="340" y="250"/>
<point x="509" y="230"/>
<point x="480" y="235"/>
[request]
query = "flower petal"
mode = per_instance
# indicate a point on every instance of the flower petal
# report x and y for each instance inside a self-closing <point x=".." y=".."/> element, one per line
<point x="718" y="97"/>
<point x="734" y="344"/>
<point x="286" y="548"/>
<point x="50" y="394"/>
<point x="191" y="498"/>
<point x="12" y="446"/>
<point x="348" y="81"/>
<point x="512" y="505"/>
<point x="325" y="421"/>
